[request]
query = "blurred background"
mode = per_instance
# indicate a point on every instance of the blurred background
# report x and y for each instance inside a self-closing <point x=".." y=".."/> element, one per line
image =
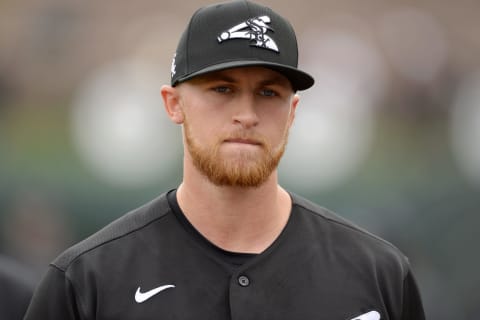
<point x="389" y="136"/>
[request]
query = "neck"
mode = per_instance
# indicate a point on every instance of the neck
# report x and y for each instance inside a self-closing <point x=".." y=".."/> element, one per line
<point x="233" y="218"/>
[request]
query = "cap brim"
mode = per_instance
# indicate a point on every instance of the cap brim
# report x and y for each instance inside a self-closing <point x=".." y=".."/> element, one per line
<point x="300" y="80"/>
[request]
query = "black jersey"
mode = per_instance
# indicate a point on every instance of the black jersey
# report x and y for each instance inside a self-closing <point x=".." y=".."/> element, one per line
<point x="149" y="264"/>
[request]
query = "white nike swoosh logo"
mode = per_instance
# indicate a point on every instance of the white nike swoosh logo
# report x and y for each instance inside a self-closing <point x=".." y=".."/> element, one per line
<point x="144" y="296"/>
<point x="372" y="315"/>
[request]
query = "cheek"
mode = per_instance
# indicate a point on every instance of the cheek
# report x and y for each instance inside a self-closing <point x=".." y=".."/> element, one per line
<point x="202" y="130"/>
<point x="277" y="119"/>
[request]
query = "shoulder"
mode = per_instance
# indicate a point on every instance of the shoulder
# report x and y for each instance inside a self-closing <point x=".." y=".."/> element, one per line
<point x="131" y="222"/>
<point x="347" y="238"/>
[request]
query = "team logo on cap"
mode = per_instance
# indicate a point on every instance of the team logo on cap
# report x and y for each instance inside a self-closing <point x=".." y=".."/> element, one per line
<point x="173" y="68"/>
<point x="255" y="30"/>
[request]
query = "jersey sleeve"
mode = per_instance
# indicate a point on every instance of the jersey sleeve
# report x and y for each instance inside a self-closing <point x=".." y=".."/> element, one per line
<point x="54" y="298"/>
<point x="412" y="303"/>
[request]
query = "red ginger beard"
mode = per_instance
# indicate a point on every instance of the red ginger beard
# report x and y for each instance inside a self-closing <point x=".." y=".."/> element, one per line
<point x="247" y="169"/>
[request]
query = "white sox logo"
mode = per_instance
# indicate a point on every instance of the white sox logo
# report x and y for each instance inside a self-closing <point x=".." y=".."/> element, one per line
<point x="173" y="68"/>
<point x="255" y="30"/>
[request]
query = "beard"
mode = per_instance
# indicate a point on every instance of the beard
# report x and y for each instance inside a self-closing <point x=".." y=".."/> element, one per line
<point x="245" y="168"/>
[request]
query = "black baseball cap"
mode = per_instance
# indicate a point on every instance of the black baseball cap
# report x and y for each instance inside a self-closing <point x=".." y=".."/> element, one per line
<point x="238" y="34"/>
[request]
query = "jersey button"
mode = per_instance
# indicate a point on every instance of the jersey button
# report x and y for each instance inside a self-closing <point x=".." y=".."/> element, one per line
<point x="243" y="281"/>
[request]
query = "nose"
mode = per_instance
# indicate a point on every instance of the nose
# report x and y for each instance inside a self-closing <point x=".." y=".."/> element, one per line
<point x="245" y="111"/>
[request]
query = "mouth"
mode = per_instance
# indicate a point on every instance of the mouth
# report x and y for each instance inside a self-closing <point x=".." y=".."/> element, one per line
<point x="244" y="141"/>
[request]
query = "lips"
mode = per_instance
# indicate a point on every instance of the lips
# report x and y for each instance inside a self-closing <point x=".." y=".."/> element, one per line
<point x="243" y="141"/>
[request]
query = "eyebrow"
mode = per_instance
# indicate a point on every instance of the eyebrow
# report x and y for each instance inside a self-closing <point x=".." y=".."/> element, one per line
<point x="217" y="76"/>
<point x="274" y="79"/>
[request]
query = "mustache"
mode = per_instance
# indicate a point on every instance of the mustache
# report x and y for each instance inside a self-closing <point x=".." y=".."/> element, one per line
<point x="246" y="137"/>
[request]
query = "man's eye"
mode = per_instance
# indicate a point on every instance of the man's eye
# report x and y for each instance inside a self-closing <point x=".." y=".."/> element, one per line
<point x="222" y="89"/>
<point x="268" y="93"/>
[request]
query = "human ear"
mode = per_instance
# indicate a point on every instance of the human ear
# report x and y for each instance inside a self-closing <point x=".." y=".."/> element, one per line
<point x="171" y="102"/>
<point x="293" y="108"/>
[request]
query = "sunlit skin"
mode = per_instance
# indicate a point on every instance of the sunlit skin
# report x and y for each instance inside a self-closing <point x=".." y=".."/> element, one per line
<point x="234" y="122"/>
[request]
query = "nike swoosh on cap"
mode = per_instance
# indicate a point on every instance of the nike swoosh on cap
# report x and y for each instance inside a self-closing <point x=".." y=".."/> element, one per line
<point x="144" y="296"/>
<point x="372" y="315"/>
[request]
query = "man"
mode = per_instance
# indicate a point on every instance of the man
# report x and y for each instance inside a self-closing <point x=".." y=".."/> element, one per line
<point x="229" y="242"/>
<point x="17" y="284"/>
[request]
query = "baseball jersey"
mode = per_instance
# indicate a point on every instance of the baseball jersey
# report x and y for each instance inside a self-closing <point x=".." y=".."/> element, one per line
<point x="152" y="264"/>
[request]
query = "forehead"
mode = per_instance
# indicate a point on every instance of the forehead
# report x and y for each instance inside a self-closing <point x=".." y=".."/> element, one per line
<point x="260" y="75"/>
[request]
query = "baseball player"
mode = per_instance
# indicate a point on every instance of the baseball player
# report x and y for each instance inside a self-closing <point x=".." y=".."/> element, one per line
<point x="230" y="242"/>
